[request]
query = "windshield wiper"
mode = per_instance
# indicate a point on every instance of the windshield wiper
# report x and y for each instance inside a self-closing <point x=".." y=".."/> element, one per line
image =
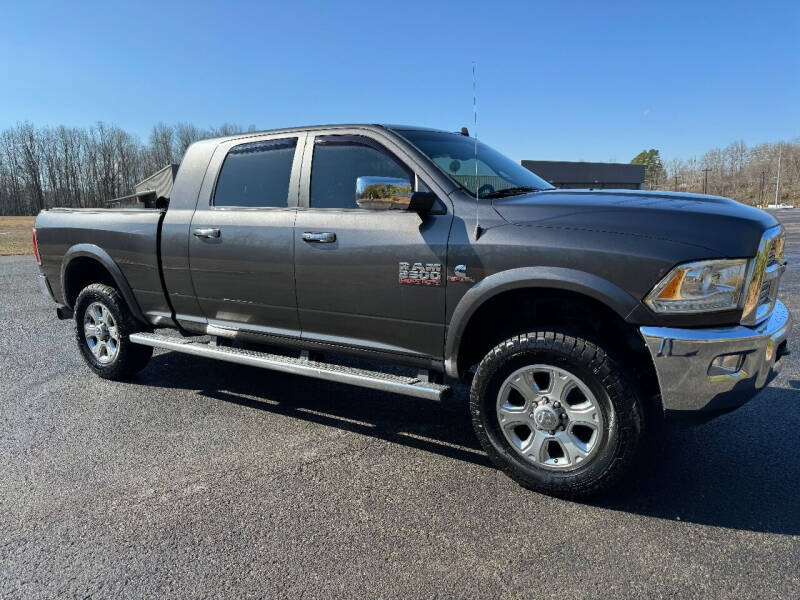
<point x="512" y="191"/>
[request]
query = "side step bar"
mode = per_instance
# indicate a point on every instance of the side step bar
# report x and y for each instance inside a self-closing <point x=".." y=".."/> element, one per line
<point x="376" y="380"/>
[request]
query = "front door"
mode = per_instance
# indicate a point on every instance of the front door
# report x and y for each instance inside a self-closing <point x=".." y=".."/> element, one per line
<point x="367" y="278"/>
<point x="241" y="241"/>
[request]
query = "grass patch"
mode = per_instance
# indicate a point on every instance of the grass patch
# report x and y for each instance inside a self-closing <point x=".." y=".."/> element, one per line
<point x="15" y="235"/>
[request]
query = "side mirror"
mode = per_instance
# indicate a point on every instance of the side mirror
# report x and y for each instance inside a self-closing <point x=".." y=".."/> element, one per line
<point x="383" y="193"/>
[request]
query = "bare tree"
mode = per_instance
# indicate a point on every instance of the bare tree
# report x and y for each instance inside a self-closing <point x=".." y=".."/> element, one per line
<point x="185" y="135"/>
<point x="743" y="173"/>
<point x="85" y="167"/>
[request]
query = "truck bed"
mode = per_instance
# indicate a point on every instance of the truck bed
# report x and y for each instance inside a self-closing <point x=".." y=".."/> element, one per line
<point x="129" y="236"/>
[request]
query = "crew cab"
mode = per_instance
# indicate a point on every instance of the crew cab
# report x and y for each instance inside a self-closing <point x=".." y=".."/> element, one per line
<point x="576" y="316"/>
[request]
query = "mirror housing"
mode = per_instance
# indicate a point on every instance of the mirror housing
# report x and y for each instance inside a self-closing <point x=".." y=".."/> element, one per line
<point x="391" y="193"/>
<point x="383" y="193"/>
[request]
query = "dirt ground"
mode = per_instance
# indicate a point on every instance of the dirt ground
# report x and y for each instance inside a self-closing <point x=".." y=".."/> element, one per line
<point x="15" y="235"/>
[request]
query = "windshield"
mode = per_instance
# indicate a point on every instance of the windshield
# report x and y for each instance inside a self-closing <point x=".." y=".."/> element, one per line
<point x="454" y="154"/>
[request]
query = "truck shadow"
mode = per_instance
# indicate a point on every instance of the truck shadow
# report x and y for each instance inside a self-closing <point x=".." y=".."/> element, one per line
<point x="438" y="427"/>
<point x="739" y="471"/>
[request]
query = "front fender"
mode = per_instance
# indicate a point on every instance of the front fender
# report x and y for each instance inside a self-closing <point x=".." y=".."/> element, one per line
<point x="559" y="278"/>
<point x="104" y="258"/>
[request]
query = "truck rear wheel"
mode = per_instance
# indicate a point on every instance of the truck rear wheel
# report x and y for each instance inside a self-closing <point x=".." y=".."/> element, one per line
<point x="556" y="413"/>
<point x="103" y="323"/>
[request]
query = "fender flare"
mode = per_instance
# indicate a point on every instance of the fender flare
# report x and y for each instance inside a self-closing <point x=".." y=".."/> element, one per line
<point x="592" y="286"/>
<point x="104" y="258"/>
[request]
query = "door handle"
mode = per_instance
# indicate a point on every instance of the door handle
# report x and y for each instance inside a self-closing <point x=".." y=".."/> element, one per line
<point x="319" y="238"/>
<point x="206" y="233"/>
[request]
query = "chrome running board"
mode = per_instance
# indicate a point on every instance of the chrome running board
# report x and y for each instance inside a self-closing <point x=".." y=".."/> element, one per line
<point x="376" y="380"/>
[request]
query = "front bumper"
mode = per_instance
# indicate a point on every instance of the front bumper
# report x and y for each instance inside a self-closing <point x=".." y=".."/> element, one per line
<point x="683" y="360"/>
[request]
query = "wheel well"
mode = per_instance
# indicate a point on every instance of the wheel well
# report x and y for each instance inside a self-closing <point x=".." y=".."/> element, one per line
<point x="519" y="311"/>
<point x="83" y="271"/>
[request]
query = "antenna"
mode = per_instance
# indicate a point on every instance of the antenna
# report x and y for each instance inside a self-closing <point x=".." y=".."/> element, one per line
<point x="778" y="180"/>
<point x="478" y="229"/>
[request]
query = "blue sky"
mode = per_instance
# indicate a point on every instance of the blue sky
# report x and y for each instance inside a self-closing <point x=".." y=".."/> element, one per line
<point x="556" y="80"/>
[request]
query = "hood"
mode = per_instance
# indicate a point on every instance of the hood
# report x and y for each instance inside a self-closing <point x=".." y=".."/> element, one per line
<point x="722" y="226"/>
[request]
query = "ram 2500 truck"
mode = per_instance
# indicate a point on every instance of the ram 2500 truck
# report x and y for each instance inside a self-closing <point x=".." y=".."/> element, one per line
<point x="575" y="315"/>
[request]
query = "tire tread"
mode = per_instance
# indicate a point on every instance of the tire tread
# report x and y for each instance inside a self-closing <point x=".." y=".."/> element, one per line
<point x="132" y="357"/>
<point x="611" y="374"/>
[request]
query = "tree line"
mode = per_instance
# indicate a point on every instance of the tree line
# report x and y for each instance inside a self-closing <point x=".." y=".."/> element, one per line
<point x="746" y="174"/>
<point x="42" y="167"/>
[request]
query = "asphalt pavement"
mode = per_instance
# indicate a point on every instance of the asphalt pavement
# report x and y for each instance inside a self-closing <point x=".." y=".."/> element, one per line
<point x="206" y="479"/>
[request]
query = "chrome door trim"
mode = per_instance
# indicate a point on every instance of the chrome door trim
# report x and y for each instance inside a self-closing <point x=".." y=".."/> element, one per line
<point x="326" y="237"/>
<point x="210" y="232"/>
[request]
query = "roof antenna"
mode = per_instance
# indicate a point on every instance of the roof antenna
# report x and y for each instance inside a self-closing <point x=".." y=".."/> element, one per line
<point x="478" y="229"/>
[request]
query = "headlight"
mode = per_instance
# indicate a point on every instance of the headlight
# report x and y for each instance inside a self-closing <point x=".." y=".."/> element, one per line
<point x="700" y="286"/>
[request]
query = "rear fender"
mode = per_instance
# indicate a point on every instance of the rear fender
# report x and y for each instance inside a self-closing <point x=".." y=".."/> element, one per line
<point x="102" y="257"/>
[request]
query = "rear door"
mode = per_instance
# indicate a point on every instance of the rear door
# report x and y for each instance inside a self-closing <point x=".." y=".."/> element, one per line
<point x="241" y="242"/>
<point x="367" y="278"/>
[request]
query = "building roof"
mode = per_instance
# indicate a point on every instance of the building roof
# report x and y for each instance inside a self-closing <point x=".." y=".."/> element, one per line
<point x="586" y="172"/>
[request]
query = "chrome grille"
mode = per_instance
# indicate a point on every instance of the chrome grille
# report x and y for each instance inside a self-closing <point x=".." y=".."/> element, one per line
<point x="767" y="268"/>
<point x="772" y="257"/>
<point x="764" y="296"/>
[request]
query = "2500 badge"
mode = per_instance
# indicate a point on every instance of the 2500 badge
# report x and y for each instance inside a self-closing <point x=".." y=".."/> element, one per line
<point x="420" y="273"/>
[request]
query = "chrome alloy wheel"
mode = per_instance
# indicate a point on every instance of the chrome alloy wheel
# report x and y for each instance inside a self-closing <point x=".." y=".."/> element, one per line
<point x="550" y="417"/>
<point x="100" y="331"/>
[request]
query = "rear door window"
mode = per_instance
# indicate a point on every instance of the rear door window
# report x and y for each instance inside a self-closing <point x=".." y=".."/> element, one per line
<point x="256" y="175"/>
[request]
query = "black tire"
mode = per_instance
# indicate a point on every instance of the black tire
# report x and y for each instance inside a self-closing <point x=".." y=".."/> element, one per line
<point x="614" y="392"/>
<point x="129" y="358"/>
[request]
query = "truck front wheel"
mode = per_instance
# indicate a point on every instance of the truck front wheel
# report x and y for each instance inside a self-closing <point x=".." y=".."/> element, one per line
<point x="103" y="323"/>
<point x="556" y="413"/>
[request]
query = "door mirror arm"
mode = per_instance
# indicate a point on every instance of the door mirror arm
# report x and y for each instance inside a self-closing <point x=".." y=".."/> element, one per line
<point x="422" y="202"/>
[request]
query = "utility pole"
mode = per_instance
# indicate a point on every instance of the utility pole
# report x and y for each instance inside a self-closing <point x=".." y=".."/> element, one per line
<point x="778" y="180"/>
<point x="676" y="183"/>
<point x="761" y="189"/>
<point x="705" y="179"/>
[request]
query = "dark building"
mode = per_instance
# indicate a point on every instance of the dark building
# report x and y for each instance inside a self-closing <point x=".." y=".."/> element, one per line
<point x="564" y="174"/>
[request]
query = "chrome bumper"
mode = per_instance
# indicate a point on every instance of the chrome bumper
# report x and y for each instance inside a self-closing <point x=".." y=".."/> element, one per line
<point x="683" y="360"/>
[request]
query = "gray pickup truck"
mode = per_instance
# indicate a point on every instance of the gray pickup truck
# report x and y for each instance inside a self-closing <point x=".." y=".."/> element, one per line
<point x="576" y="316"/>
